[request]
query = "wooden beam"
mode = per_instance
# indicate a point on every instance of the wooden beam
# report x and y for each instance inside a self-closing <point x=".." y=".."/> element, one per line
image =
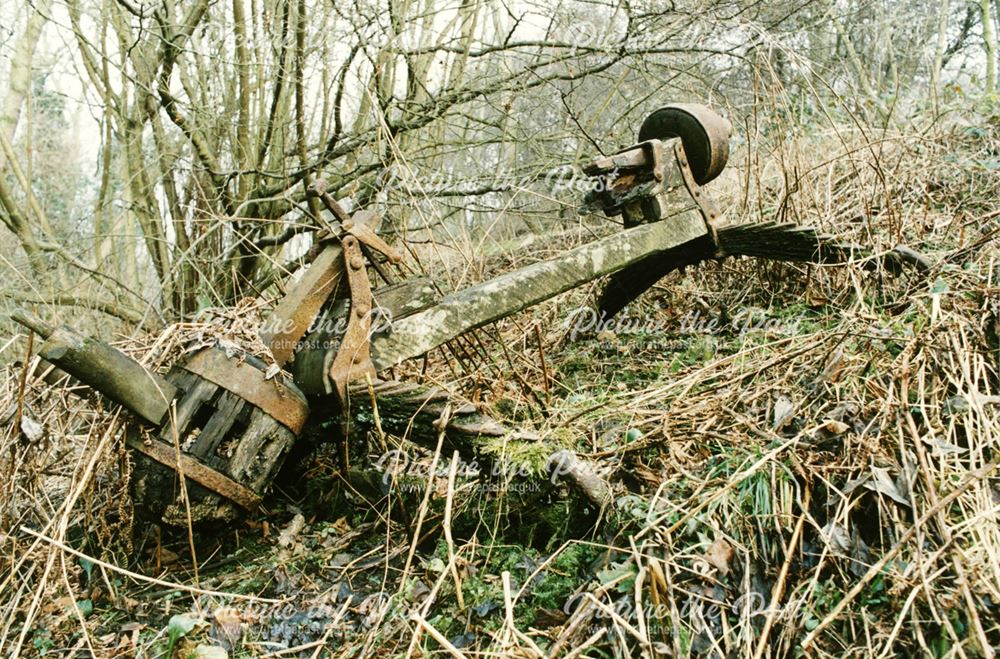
<point x="109" y="371"/>
<point x="505" y="295"/>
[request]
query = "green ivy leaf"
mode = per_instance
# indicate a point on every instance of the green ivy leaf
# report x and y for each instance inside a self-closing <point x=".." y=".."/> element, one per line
<point x="181" y="625"/>
<point x="85" y="607"/>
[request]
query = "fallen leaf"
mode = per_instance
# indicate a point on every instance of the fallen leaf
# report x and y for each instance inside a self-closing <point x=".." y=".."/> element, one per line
<point x="860" y="556"/>
<point x="855" y="483"/>
<point x="837" y="539"/>
<point x="417" y="591"/>
<point x="166" y="557"/>
<point x="942" y="446"/>
<point x="210" y="652"/>
<point x="341" y="526"/>
<point x="229" y="623"/>
<point x="464" y="640"/>
<point x="783" y="410"/>
<point x="814" y="299"/>
<point x="833" y="428"/>
<point x="833" y="367"/>
<point x="883" y="483"/>
<point x="719" y="555"/>
<point x="32" y="429"/>
<point x="484" y="608"/>
<point x="181" y="625"/>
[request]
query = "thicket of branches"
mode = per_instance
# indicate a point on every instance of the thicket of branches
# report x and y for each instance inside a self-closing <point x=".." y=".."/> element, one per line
<point x="155" y="154"/>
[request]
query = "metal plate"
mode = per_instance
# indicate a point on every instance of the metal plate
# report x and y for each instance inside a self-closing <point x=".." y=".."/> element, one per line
<point x="704" y="133"/>
<point x="284" y="403"/>
<point x="197" y="472"/>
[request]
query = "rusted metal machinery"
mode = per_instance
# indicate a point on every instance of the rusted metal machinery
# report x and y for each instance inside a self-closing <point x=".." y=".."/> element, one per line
<point x="216" y="428"/>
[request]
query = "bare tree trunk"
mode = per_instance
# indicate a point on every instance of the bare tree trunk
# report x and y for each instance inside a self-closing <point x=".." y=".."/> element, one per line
<point x="942" y="43"/>
<point x="20" y="72"/>
<point x="13" y="217"/>
<point x="990" y="45"/>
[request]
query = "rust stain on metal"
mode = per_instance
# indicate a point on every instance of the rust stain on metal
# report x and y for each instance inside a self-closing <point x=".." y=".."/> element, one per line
<point x="353" y="358"/>
<point x="319" y="188"/>
<point x="704" y="132"/>
<point x="705" y="204"/>
<point x="283" y="403"/>
<point x="198" y="472"/>
<point x="362" y="226"/>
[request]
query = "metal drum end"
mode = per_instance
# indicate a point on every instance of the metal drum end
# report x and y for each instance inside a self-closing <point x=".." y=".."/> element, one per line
<point x="703" y="132"/>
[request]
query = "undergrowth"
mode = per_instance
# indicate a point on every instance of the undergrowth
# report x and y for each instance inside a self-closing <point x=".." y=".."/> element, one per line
<point x="802" y="460"/>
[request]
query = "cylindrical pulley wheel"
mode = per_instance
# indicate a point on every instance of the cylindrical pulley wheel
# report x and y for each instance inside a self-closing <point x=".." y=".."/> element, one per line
<point x="225" y="438"/>
<point x="703" y="132"/>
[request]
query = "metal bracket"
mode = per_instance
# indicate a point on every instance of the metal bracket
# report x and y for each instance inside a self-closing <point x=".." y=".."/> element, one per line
<point x="349" y="241"/>
<point x="353" y="357"/>
<point x="360" y="226"/>
<point x="633" y="183"/>
<point x="709" y="211"/>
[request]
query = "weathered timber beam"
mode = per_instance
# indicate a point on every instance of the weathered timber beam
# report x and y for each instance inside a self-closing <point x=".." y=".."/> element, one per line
<point x="415" y="412"/>
<point x="497" y="298"/>
<point x="296" y="311"/>
<point x="109" y="371"/>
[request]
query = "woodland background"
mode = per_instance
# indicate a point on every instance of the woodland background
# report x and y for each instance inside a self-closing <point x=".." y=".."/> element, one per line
<point x="833" y="463"/>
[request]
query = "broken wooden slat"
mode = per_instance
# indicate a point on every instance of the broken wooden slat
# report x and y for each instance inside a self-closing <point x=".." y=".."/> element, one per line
<point x="295" y="313"/>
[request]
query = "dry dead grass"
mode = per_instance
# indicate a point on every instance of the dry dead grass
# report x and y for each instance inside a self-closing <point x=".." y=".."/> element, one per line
<point x="823" y="484"/>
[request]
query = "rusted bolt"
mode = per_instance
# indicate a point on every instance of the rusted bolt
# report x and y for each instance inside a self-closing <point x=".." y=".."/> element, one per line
<point x="361" y="309"/>
<point x="357" y="263"/>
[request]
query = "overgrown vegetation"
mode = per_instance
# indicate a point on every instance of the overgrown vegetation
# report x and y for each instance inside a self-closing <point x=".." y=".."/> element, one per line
<point x="803" y="458"/>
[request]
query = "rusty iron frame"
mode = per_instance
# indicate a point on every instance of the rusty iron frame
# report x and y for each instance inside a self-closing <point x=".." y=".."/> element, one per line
<point x="198" y="472"/>
<point x="353" y="357"/>
<point x="282" y="403"/>
<point x="354" y="238"/>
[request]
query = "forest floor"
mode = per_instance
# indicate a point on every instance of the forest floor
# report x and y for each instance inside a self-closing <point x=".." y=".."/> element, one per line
<point x="803" y="460"/>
